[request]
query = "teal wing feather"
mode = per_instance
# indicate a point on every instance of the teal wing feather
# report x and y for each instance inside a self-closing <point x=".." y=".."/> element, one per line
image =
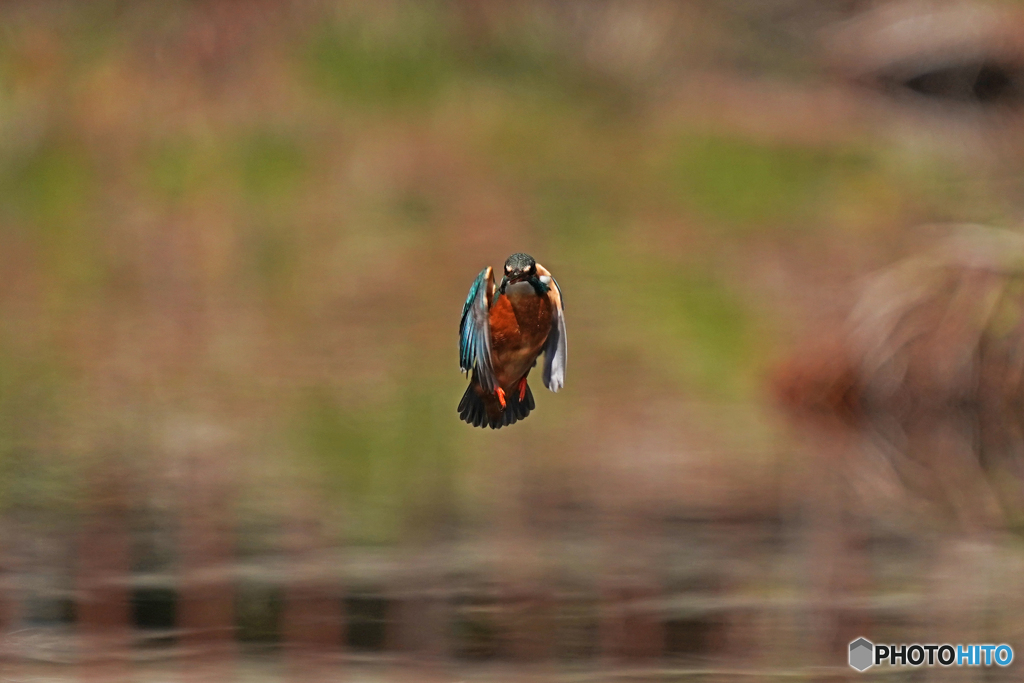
<point x="555" y="350"/>
<point x="475" y="330"/>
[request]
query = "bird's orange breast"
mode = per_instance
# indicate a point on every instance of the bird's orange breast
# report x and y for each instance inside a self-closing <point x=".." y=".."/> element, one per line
<point x="520" y="323"/>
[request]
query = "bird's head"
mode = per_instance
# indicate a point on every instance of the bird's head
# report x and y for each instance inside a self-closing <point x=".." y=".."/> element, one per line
<point x="520" y="267"/>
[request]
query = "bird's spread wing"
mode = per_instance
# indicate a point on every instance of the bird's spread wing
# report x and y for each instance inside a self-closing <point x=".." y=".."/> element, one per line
<point x="555" y="349"/>
<point x="475" y="330"/>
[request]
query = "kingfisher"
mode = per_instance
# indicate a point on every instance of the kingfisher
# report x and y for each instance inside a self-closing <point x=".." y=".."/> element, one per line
<point x="503" y="331"/>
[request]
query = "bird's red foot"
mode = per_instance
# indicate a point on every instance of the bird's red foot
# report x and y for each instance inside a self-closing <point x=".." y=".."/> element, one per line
<point x="522" y="389"/>
<point x="501" y="397"/>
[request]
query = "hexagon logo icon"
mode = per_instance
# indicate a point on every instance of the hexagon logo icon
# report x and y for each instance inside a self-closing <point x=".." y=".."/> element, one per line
<point x="862" y="653"/>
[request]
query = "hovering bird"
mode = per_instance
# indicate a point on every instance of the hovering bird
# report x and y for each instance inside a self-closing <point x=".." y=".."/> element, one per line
<point x="502" y="333"/>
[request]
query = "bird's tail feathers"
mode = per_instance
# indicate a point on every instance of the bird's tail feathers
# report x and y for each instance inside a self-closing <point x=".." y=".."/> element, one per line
<point x="483" y="410"/>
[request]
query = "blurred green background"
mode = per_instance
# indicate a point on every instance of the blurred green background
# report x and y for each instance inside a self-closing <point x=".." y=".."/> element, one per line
<point x="262" y="218"/>
<point x="242" y="234"/>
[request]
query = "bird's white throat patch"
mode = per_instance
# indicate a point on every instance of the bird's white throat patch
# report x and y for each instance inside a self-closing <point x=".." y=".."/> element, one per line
<point x="519" y="289"/>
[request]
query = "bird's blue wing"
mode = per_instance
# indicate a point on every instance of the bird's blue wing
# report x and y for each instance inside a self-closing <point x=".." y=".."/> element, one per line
<point x="555" y="348"/>
<point x="475" y="330"/>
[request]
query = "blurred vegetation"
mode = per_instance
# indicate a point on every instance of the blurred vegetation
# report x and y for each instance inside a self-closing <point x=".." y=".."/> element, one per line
<point x="742" y="182"/>
<point x="406" y="58"/>
<point x="273" y="228"/>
